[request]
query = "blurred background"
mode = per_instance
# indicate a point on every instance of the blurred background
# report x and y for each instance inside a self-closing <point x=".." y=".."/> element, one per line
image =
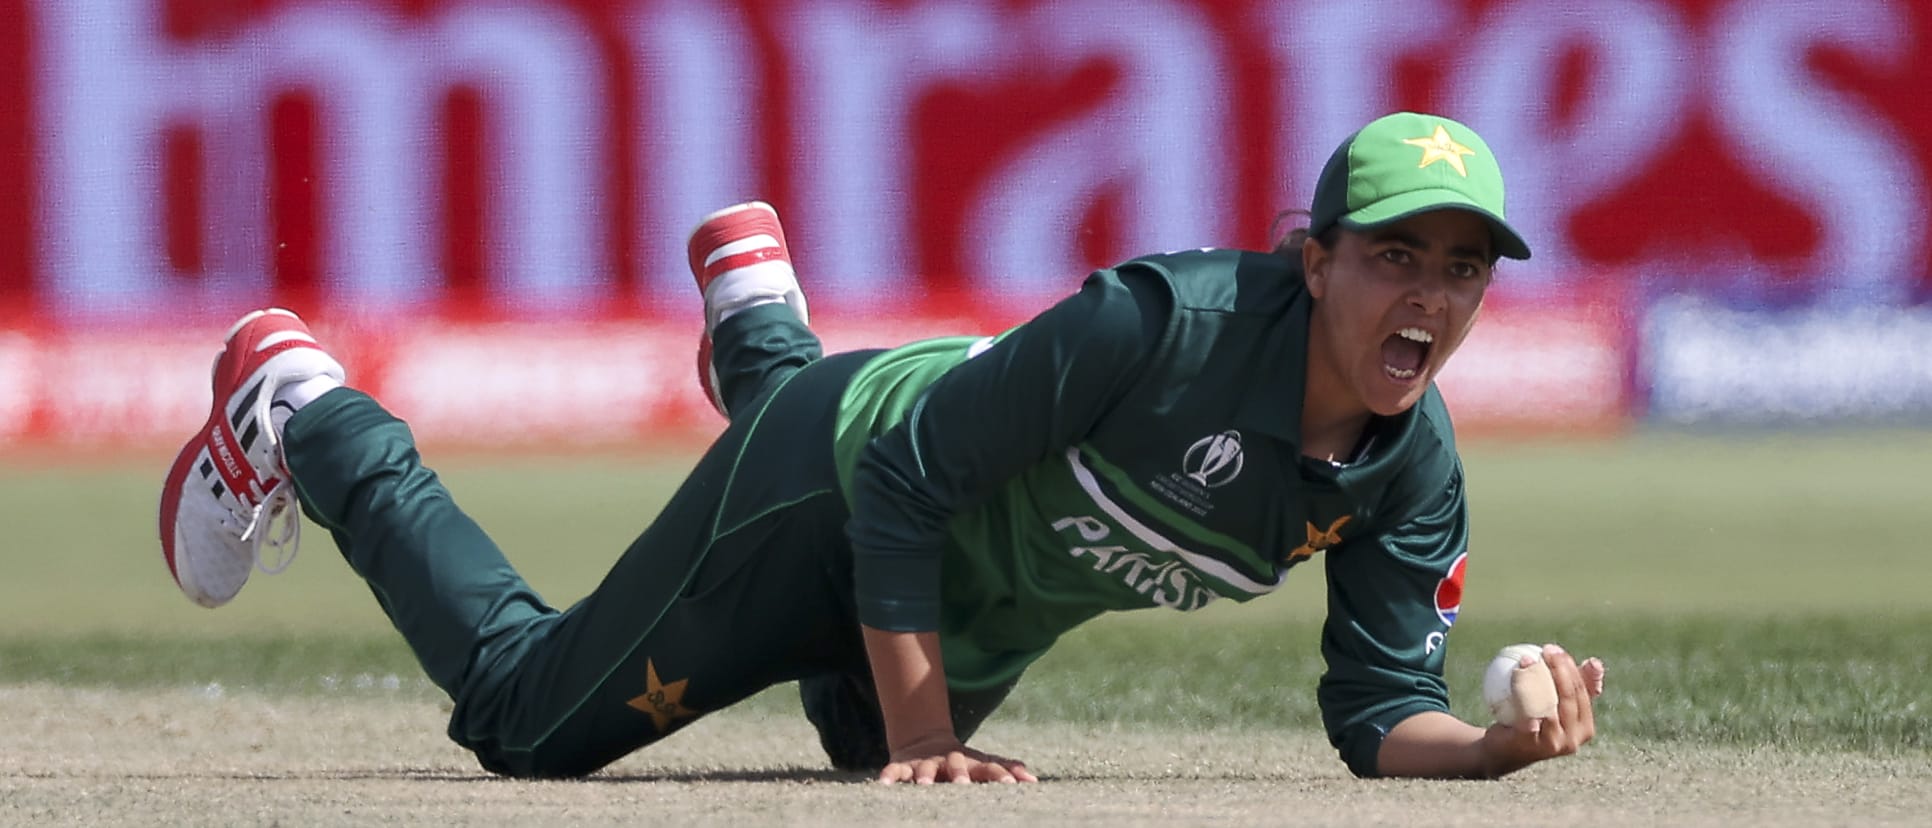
<point x="483" y="205"/>
<point x="1697" y="424"/>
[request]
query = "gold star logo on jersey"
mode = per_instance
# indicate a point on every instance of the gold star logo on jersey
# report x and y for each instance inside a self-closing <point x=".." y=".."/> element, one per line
<point x="1441" y="147"/>
<point x="662" y="701"/>
<point x="1319" y="539"/>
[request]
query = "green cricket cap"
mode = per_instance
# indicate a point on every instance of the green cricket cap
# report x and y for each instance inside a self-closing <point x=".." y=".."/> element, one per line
<point x="1409" y="163"/>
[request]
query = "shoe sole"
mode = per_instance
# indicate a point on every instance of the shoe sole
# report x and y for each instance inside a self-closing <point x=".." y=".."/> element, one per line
<point x="176" y="481"/>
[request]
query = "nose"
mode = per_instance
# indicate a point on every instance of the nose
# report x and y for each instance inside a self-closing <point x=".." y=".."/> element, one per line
<point x="1430" y="294"/>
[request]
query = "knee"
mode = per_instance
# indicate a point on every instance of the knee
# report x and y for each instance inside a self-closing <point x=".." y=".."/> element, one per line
<point x="548" y="758"/>
<point x="850" y="727"/>
<point x="756" y="349"/>
<point x="540" y="764"/>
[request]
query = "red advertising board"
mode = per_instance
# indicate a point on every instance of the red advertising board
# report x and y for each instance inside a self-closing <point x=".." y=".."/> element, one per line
<point x="377" y="162"/>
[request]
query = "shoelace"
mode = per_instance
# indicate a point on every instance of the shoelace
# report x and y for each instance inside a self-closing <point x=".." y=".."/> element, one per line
<point x="278" y="503"/>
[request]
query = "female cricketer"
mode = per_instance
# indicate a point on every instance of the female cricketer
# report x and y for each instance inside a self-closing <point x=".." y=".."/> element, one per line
<point x="904" y="531"/>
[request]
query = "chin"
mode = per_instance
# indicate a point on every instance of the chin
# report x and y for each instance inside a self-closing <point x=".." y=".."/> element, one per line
<point x="1396" y="408"/>
<point x="1394" y="401"/>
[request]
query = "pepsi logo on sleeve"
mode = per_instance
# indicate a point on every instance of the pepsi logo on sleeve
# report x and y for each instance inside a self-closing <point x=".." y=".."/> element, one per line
<point x="1449" y="591"/>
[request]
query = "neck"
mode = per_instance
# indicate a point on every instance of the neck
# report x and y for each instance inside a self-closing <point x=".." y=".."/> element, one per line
<point x="1332" y="420"/>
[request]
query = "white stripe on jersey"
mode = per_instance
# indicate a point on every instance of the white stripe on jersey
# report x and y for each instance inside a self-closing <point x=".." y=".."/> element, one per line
<point x="1201" y="563"/>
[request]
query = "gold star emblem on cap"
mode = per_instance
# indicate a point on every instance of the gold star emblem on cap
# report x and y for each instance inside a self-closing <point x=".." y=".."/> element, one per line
<point x="664" y="702"/>
<point x="1441" y="147"/>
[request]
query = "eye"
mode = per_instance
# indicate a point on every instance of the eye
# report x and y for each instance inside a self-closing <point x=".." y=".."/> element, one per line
<point x="1465" y="270"/>
<point x="1397" y="255"/>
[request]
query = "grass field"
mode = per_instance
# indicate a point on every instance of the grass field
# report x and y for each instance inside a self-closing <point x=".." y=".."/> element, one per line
<point x="1764" y="603"/>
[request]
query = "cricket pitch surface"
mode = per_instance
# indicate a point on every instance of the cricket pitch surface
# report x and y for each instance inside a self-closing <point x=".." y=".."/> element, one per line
<point x="208" y="757"/>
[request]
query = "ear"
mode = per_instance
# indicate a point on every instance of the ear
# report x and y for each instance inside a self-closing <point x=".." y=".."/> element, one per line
<point x="1315" y="260"/>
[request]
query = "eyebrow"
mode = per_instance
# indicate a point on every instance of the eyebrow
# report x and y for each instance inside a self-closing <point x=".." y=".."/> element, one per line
<point x="1461" y="251"/>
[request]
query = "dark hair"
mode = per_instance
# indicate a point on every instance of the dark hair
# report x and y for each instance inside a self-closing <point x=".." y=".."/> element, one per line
<point x="1289" y="243"/>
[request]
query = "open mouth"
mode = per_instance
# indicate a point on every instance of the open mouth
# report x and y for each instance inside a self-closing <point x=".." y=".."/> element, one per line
<point x="1405" y="352"/>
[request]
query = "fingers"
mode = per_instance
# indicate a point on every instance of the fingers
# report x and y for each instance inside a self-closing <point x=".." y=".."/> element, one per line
<point x="1593" y="671"/>
<point x="989" y="772"/>
<point x="938" y="769"/>
<point x="1013" y="768"/>
<point x="956" y="767"/>
<point x="1563" y="733"/>
<point x="1575" y="718"/>
<point x="917" y="771"/>
<point x="1590" y="675"/>
<point x="1569" y="685"/>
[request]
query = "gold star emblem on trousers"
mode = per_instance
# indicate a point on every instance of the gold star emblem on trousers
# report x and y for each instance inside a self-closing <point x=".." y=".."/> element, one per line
<point x="1441" y="147"/>
<point x="662" y="701"/>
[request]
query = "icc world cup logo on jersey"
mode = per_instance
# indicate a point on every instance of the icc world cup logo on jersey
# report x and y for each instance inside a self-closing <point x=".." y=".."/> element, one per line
<point x="1214" y="460"/>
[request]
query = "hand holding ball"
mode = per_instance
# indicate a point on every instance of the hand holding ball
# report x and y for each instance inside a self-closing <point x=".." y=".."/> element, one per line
<point x="1518" y="693"/>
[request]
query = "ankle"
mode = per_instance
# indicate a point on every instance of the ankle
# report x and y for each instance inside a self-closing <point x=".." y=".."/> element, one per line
<point x="764" y="283"/>
<point x="292" y="397"/>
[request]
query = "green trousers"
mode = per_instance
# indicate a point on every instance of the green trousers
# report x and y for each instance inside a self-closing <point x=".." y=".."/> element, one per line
<point x="742" y="582"/>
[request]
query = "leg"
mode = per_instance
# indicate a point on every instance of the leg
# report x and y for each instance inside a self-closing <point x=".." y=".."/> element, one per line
<point x="442" y="581"/>
<point x="764" y="597"/>
<point x="740" y="583"/>
<point x="756" y="350"/>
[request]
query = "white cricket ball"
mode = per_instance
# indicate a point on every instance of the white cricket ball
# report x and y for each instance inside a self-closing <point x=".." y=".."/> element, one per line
<point x="1515" y="693"/>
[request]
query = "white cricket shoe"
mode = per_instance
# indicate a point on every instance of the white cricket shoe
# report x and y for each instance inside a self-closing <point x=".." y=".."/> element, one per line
<point x="229" y="483"/>
<point x="739" y="257"/>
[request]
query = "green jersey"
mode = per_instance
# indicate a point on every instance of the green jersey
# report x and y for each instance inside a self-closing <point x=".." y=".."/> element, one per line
<point x="1138" y="445"/>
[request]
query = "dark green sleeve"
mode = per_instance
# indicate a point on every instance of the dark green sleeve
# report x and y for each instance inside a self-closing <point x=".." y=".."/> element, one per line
<point x="1038" y="389"/>
<point x="1384" y="637"/>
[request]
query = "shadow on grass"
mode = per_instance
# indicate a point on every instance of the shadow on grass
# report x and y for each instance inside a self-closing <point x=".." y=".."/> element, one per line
<point x="747" y="775"/>
<point x="754" y="775"/>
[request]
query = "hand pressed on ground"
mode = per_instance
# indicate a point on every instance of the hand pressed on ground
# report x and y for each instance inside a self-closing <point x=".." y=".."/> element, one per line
<point x="948" y="760"/>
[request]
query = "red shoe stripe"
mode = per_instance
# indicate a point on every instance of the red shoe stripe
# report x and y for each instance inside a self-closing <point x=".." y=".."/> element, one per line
<point x="240" y="360"/>
<point x="232" y="464"/>
<point x="230" y="459"/>
<point x="745" y="259"/>
<point x="723" y="230"/>
<point x="254" y="360"/>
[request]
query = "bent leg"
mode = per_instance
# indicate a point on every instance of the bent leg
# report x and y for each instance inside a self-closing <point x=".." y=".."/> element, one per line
<point x="743" y="581"/>
<point x="443" y="582"/>
<point x="756" y="349"/>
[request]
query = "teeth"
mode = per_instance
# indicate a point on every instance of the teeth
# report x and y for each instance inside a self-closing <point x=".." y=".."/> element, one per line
<point x="1399" y="373"/>
<point x="1416" y="334"/>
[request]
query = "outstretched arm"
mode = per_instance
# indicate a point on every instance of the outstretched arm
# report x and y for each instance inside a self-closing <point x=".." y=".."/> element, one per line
<point x="1392" y="597"/>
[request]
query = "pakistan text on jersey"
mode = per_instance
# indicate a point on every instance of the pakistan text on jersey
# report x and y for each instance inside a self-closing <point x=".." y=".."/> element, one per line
<point x="1170" y="583"/>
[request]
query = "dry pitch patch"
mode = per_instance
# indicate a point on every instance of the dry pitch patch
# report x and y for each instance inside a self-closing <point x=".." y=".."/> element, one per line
<point x="101" y="757"/>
